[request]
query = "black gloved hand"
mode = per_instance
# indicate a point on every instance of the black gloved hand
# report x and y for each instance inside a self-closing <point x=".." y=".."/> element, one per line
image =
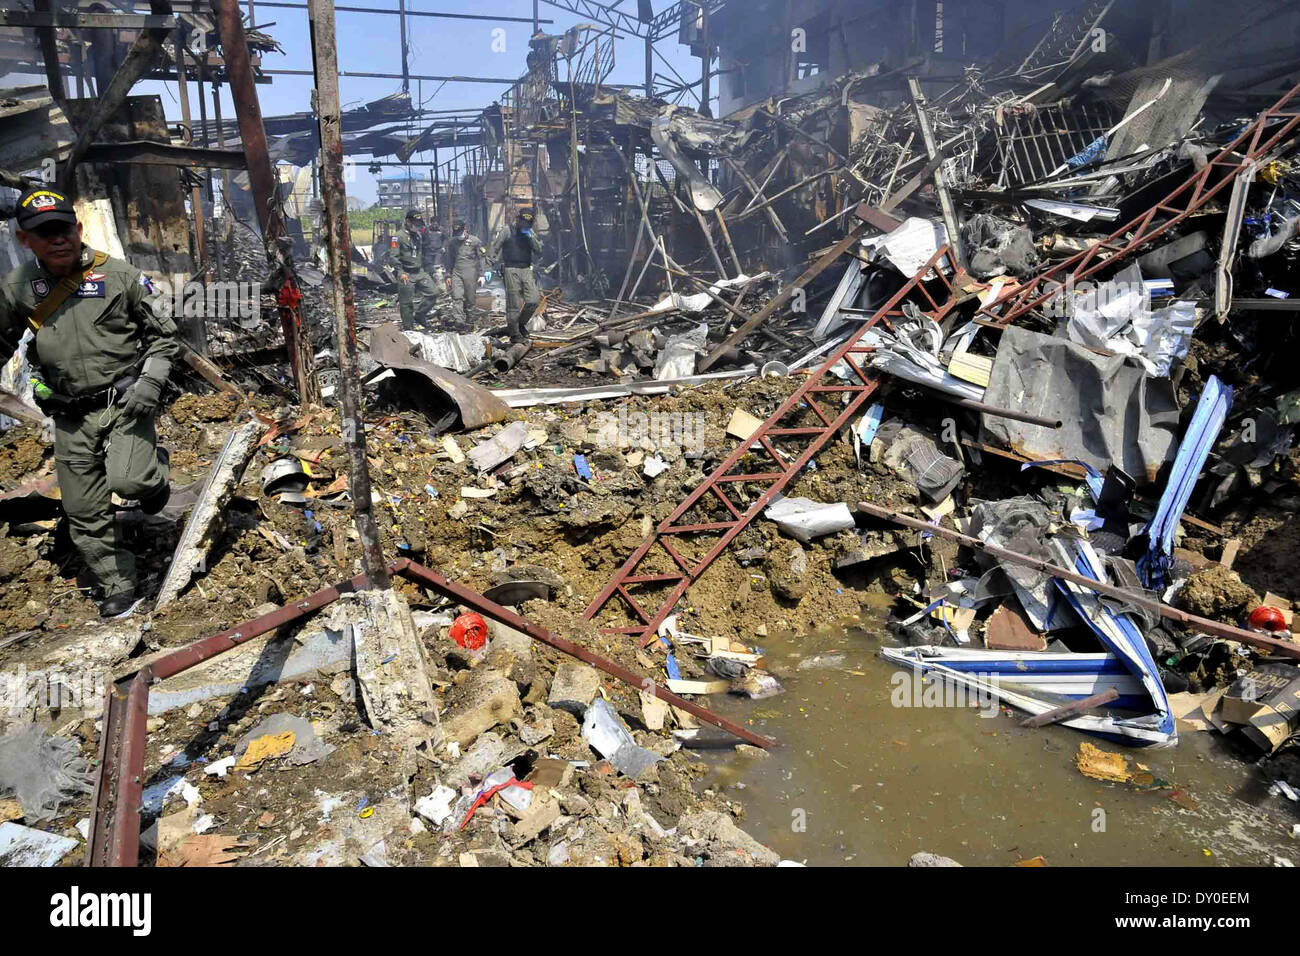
<point x="142" y="398"/>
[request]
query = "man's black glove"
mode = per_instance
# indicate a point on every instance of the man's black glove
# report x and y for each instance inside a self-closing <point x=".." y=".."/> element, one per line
<point x="142" y="398"/>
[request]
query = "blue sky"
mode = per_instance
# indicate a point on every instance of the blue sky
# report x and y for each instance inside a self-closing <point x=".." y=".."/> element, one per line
<point x="371" y="43"/>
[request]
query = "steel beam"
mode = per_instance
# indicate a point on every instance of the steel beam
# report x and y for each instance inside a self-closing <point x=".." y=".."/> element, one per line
<point x="411" y="13"/>
<point x="87" y="21"/>
<point x="494" y="80"/>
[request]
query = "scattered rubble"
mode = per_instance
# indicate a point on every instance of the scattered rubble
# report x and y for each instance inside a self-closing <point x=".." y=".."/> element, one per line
<point x="1005" y="357"/>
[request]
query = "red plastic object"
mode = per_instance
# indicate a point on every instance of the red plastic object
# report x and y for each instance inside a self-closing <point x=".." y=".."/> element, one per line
<point x="1266" y="618"/>
<point x="469" y="631"/>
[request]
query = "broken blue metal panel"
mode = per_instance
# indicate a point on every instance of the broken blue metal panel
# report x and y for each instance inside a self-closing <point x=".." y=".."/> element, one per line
<point x="1117" y="631"/>
<point x="1062" y="674"/>
<point x="1035" y="685"/>
<point x="1207" y="422"/>
<point x="581" y="467"/>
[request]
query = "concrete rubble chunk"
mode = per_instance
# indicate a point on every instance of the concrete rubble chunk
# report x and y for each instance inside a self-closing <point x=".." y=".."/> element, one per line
<point x="390" y="668"/>
<point x="206" y="522"/>
<point x="574" y="687"/>
<point x="487" y="753"/>
<point x="307" y="746"/>
<point x="265" y="660"/>
<point x="713" y="836"/>
<point x="486" y="699"/>
<point x="25" y="846"/>
<point x="539" y="815"/>
<point x="930" y="859"/>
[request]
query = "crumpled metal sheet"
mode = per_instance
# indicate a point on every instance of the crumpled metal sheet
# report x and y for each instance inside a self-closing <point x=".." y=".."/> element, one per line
<point x="1111" y="411"/>
<point x="704" y="195"/>
<point x="458" y="351"/>
<point x="477" y="406"/>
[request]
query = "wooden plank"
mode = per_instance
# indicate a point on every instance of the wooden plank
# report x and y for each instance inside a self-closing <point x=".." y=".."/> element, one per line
<point x="1071" y="710"/>
<point x="971" y="368"/>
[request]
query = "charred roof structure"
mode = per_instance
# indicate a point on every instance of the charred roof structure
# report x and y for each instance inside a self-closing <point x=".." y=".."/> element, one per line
<point x="1008" y="287"/>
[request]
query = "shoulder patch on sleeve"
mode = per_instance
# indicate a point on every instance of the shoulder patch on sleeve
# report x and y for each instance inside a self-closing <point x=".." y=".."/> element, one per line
<point x="148" y="284"/>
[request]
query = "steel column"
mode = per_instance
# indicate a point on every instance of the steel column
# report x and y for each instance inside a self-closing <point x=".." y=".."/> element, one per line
<point x="339" y="243"/>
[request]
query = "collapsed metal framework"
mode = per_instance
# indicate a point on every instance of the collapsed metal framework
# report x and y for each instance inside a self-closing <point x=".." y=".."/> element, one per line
<point x="643" y="567"/>
<point x="738" y="471"/>
<point x="114" y="838"/>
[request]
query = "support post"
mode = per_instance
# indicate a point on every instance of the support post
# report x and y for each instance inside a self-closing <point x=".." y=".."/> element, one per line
<point x="262" y="181"/>
<point x="406" y="66"/>
<point x="338" y="241"/>
<point x="649" y="68"/>
<point x="706" y="61"/>
<point x="50" y="56"/>
<point x="225" y="179"/>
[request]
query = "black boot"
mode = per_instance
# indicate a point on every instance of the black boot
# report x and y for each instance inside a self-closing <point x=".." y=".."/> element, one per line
<point x="118" y="605"/>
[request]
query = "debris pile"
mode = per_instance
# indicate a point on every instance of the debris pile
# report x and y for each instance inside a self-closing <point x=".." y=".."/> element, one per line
<point x="1006" y="357"/>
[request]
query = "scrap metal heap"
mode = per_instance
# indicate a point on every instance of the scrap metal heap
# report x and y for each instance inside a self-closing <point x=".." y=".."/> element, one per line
<point x="1022" y="334"/>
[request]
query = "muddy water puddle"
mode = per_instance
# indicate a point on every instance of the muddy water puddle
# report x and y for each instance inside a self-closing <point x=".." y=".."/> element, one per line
<point x="861" y="781"/>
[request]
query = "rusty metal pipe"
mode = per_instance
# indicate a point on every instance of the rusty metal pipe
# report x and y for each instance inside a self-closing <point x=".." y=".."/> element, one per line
<point x="508" y="359"/>
<point x="1270" y="644"/>
<point x="469" y="598"/>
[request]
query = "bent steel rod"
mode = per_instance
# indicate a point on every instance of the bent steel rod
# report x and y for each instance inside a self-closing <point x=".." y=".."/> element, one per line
<point x="1274" y="645"/>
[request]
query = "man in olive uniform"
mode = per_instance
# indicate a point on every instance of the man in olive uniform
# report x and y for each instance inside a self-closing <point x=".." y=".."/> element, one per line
<point x="515" y="250"/>
<point x="465" y="258"/>
<point x="101" y="354"/>
<point x="415" y="282"/>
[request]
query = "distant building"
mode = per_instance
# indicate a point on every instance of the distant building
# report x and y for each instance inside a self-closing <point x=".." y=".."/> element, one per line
<point x="399" y="192"/>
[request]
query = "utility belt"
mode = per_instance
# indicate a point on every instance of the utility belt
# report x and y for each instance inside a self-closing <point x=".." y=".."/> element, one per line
<point x="87" y="402"/>
<point x="517" y="265"/>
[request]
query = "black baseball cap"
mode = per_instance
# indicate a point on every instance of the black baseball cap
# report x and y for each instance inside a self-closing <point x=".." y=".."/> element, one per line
<point x="414" y="214"/>
<point x="526" y="215"/>
<point x="41" y="204"/>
